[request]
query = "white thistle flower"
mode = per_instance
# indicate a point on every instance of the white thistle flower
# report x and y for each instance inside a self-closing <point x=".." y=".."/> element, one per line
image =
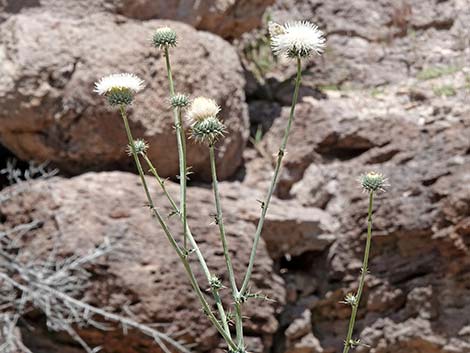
<point x="120" y="82"/>
<point x="298" y="39"/>
<point x="202" y="108"/>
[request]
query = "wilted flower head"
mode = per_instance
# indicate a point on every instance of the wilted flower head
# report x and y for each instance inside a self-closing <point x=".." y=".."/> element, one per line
<point x="119" y="88"/>
<point x="164" y="37"/>
<point x="179" y="100"/>
<point x="140" y="146"/>
<point x="201" y="109"/>
<point x="298" y="39"/>
<point x="373" y="181"/>
<point x="208" y="130"/>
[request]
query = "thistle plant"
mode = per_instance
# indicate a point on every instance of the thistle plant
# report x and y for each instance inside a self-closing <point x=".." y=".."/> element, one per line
<point x="297" y="41"/>
<point x="371" y="183"/>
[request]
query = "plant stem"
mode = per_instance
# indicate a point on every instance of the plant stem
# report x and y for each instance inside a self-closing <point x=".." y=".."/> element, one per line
<point x="352" y="321"/>
<point x="160" y="182"/>
<point x="218" y="301"/>
<point x="223" y="238"/>
<point x="182" y="255"/>
<point x="277" y="169"/>
<point x="181" y="141"/>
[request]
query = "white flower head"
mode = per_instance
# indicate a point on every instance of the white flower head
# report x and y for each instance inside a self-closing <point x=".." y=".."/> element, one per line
<point x="299" y="39"/>
<point x="125" y="81"/>
<point x="201" y="109"/>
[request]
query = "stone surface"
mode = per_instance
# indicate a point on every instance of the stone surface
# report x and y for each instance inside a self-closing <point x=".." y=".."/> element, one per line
<point x="369" y="44"/>
<point x="227" y="18"/>
<point x="420" y="249"/>
<point x="144" y="273"/>
<point x="49" y="112"/>
<point x="403" y="113"/>
<point x="390" y="94"/>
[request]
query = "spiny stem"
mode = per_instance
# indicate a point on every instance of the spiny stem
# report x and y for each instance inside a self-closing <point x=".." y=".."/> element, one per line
<point x="160" y="182"/>
<point x="220" y="222"/>
<point x="239" y="324"/>
<point x="272" y="186"/>
<point x="355" y="306"/>
<point x="223" y="238"/>
<point x="181" y="141"/>
<point x="216" y="295"/>
<point x="187" y="235"/>
<point x="174" y="244"/>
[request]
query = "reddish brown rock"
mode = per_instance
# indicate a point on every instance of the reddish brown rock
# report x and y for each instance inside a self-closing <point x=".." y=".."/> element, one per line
<point x="227" y="18"/>
<point x="49" y="112"/>
<point x="144" y="273"/>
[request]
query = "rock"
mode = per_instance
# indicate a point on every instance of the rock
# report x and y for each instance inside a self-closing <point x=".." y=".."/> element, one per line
<point x="300" y="326"/>
<point x="49" y="112"/>
<point x="323" y="132"/>
<point x="418" y="137"/>
<point x="144" y="273"/>
<point x="227" y="18"/>
<point x="307" y="344"/>
<point x="369" y="44"/>
<point x="292" y="230"/>
<point x="289" y="229"/>
<point x="420" y="241"/>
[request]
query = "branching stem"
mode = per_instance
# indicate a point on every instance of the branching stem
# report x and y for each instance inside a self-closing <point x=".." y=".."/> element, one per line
<point x="182" y="158"/>
<point x="181" y="254"/>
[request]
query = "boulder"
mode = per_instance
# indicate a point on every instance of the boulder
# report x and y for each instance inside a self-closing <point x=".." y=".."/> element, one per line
<point x="50" y="112"/>
<point x="369" y="44"/>
<point x="420" y="245"/>
<point x="143" y="273"/>
<point x="227" y="18"/>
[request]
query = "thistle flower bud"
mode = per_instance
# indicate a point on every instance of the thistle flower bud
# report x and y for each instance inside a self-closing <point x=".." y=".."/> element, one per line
<point x="201" y="109"/>
<point x="179" y="101"/>
<point x="164" y="37"/>
<point x="299" y="39"/>
<point x="208" y="131"/>
<point x="373" y="182"/>
<point x="140" y="146"/>
<point x="119" y="89"/>
<point x="120" y="97"/>
<point x="215" y="283"/>
<point x="350" y="299"/>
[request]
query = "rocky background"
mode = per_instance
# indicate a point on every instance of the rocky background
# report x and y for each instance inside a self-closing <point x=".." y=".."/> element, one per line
<point x="391" y="94"/>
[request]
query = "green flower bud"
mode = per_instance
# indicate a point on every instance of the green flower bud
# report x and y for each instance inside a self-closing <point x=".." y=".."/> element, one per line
<point x="120" y="96"/>
<point x="164" y="37"/>
<point x="373" y="182"/>
<point x="215" y="283"/>
<point x="350" y="299"/>
<point x="140" y="147"/>
<point x="208" y="130"/>
<point x="179" y="101"/>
